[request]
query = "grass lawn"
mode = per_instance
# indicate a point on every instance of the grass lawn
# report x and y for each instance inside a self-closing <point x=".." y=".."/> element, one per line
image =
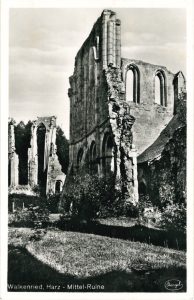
<point x="87" y="255"/>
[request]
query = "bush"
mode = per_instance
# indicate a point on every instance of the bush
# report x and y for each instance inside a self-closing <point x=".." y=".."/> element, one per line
<point x="174" y="217"/>
<point x="88" y="197"/>
<point x="34" y="216"/>
<point x="24" y="201"/>
<point x="148" y="212"/>
<point x="131" y="210"/>
<point x="52" y="203"/>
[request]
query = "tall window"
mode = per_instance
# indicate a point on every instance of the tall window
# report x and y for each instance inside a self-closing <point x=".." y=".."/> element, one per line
<point x="133" y="84"/>
<point x="160" y="88"/>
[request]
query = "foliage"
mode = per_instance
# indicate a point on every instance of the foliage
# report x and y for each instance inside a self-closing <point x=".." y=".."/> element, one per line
<point x="90" y="196"/>
<point x="62" y="149"/>
<point x="148" y="213"/>
<point x="23" y="201"/>
<point x="130" y="210"/>
<point x="22" y="143"/>
<point x="33" y="216"/>
<point x="174" y="217"/>
<point x="167" y="194"/>
<point x="52" y="202"/>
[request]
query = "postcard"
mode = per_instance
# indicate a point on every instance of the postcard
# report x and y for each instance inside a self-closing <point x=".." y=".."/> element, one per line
<point x="97" y="141"/>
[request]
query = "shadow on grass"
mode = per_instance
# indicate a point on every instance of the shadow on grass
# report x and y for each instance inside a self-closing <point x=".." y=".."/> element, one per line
<point x="24" y="269"/>
<point x="171" y="239"/>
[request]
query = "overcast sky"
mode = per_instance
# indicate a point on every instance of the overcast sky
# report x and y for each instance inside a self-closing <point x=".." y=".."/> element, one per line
<point x="44" y="42"/>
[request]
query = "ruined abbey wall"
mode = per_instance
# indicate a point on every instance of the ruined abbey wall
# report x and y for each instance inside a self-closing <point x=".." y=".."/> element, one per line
<point x="150" y="116"/>
<point x="109" y="127"/>
<point x="51" y="168"/>
<point x="98" y="115"/>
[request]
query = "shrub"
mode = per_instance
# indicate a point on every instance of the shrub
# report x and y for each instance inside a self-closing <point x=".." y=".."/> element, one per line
<point x="22" y="200"/>
<point x="130" y="210"/>
<point x="34" y="216"/>
<point x="52" y="203"/>
<point x="167" y="194"/>
<point x="174" y="217"/>
<point x="148" y="212"/>
<point x="88" y="197"/>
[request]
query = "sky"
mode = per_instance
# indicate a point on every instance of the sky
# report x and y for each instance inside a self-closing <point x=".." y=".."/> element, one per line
<point x="43" y="43"/>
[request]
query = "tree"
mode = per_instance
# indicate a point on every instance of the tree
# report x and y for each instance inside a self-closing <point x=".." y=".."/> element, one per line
<point x="22" y="143"/>
<point x="62" y="149"/>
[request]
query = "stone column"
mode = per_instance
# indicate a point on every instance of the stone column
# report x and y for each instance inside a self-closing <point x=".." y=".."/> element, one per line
<point x="105" y="17"/>
<point x="13" y="157"/>
<point x="14" y="161"/>
<point x="133" y="155"/>
<point x="118" y="43"/>
<point x="113" y="18"/>
<point x="110" y="57"/>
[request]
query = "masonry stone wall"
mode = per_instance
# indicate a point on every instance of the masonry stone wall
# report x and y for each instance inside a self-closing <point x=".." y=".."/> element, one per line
<point x="51" y="166"/>
<point x="103" y="120"/>
<point x="99" y="117"/>
<point x="150" y="117"/>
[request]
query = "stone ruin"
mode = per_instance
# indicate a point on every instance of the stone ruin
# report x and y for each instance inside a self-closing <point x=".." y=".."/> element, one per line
<point x="44" y="169"/>
<point x="118" y="106"/>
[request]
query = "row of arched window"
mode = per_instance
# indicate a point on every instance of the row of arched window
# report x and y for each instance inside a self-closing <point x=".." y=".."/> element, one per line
<point x="91" y="156"/>
<point x="132" y="81"/>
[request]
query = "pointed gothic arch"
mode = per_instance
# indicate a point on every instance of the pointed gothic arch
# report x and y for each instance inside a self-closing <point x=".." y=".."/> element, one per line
<point x="132" y="81"/>
<point x="108" y="163"/>
<point x="160" y="92"/>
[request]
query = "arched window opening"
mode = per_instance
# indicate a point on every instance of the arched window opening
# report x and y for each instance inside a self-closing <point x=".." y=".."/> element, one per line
<point x="157" y="90"/>
<point x="179" y="84"/>
<point x="133" y="84"/>
<point x="58" y="186"/>
<point x="42" y="170"/>
<point x="130" y="86"/>
<point x="160" y="89"/>
<point x="108" y="165"/>
<point x="79" y="158"/>
<point x="93" y="162"/>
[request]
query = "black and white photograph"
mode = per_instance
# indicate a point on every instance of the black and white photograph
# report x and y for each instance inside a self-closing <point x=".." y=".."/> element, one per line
<point x="97" y="139"/>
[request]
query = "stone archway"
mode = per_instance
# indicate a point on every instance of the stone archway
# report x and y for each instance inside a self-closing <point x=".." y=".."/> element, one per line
<point x="132" y="83"/>
<point x="108" y="161"/>
<point x="43" y="162"/>
<point x="160" y="88"/>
